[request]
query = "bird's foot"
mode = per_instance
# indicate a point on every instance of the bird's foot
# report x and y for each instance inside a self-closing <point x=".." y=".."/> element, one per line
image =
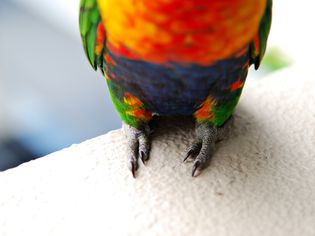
<point x="203" y="148"/>
<point x="138" y="145"/>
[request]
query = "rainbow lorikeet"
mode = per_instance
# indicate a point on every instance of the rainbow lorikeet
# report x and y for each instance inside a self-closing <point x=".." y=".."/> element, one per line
<point x="175" y="57"/>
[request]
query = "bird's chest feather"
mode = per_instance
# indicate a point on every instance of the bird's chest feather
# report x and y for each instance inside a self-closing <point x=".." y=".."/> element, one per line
<point x="191" y="31"/>
<point x="172" y="54"/>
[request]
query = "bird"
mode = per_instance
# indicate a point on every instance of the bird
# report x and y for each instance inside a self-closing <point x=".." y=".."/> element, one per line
<point x="175" y="58"/>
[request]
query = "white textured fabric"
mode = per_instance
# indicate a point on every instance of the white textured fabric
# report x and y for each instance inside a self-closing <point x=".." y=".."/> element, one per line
<point x="261" y="180"/>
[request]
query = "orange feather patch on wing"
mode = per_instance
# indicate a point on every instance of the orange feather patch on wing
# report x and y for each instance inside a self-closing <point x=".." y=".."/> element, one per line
<point x="109" y="59"/>
<point x="136" y="108"/>
<point x="100" y="37"/>
<point x="237" y="85"/>
<point x="256" y="44"/>
<point x="205" y="112"/>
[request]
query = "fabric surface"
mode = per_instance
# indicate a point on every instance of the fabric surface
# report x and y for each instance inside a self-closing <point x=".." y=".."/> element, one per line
<point x="261" y="180"/>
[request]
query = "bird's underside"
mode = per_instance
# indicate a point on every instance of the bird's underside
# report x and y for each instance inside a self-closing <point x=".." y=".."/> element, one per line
<point x="171" y="58"/>
<point x="209" y="93"/>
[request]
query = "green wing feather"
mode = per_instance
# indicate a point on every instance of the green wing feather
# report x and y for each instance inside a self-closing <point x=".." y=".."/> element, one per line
<point x="258" y="48"/>
<point x="89" y="20"/>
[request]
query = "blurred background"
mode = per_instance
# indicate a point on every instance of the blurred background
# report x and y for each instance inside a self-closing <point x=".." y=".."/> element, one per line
<point x="50" y="97"/>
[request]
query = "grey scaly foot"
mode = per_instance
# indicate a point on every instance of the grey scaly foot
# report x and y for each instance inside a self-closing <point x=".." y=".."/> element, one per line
<point x="138" y="145"/>
<point x="203" y="148"/>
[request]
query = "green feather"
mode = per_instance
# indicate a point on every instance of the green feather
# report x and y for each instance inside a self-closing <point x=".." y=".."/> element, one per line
<point x="224" y="111"/>
<point x="263" y="33"/>
<point x="117" y="97"/>
<point x="89" y="19"/>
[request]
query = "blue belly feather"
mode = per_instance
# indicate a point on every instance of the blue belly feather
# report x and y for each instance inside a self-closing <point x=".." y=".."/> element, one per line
<point x="175" y="89"/>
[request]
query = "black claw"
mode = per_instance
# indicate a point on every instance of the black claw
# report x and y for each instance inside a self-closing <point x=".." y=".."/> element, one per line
<point x="133" y="170"/>
<point x="138" y="146"/>
<point x="188" y="155"/>
<point x="133" y="166"/>
<point x="195" y="167"/>
<point x="143" y="157"/>
<point x="193" y="151"/>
